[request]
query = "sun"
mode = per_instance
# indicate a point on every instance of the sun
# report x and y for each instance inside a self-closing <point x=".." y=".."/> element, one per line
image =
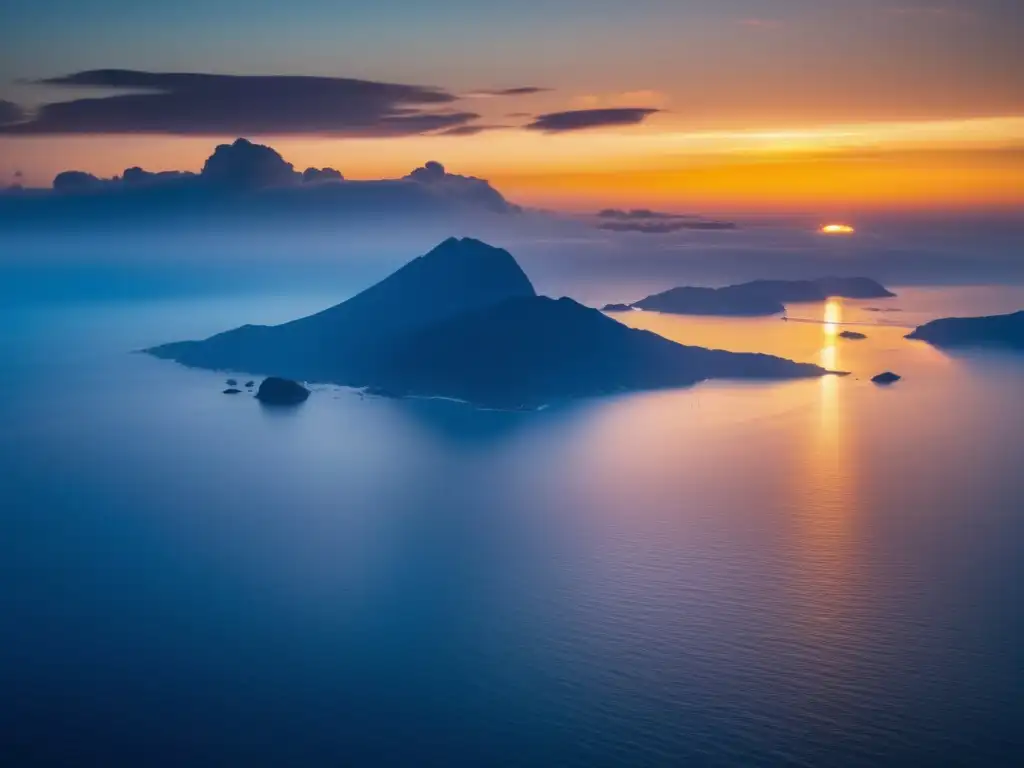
<point x="837" y="229"/>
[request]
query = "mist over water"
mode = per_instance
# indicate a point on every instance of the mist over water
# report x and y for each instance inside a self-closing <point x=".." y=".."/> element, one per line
<point x="562" y="255"/>
<point x="813" y="572"/>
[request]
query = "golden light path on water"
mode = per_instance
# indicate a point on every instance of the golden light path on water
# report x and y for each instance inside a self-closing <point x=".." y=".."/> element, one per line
<point x="828" y="494"/>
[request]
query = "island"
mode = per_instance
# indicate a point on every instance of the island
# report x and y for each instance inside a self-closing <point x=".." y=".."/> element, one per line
<point x="853" y="335"/>
<point x="278" y="391"/>
<point x="1001" y="331"/>
<point x="616" y="308"/>
<point x="464" y="322"/>
<point x="760" y="298"/>
<point x="886" y="378"/>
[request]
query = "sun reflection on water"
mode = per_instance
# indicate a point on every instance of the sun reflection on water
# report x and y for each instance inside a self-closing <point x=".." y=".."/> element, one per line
<point x="829" y="359"/>
<point x="827" y="507"/>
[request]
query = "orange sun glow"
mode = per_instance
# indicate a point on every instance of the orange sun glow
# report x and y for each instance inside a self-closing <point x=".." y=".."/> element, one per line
<point x="837" y="229"/>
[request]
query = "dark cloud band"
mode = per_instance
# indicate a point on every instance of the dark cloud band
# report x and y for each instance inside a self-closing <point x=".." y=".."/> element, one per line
<point x="581" y="119"/>
<point x="654" y="222"/>
<point x="207" y="104"/>
<point x="10" y="113"/>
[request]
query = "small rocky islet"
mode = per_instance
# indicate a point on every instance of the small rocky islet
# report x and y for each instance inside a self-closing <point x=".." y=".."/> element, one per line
<point x="278" y="391"/>
<point x="886" y="378"/>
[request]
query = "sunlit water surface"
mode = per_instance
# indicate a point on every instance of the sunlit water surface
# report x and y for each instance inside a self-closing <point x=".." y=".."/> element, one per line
<point x="810" y="573"/>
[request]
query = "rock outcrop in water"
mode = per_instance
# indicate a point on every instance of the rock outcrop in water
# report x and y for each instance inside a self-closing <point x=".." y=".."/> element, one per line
<point x="853" y="335"/>
<point x="886" y="378"/>
<point x="1005" y="331"/>
<point x="277" y="391"/>
<point x="760" y="297"/>
<point x="464" y="322"/>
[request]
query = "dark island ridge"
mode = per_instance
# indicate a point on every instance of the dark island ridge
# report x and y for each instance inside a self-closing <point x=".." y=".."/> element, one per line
<point x="1005" y="331"/>
<point x="757" y="298"/>
<point x="464" y="322"/>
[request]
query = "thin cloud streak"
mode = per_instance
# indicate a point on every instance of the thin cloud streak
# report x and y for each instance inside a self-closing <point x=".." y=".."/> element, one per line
<point x="582" y="119"/>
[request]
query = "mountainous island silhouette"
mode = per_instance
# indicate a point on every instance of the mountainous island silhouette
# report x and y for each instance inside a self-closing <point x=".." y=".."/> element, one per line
<point x="757" y="298"/>
<point x="1006" y="331"/>
<point x="464" y="322"/>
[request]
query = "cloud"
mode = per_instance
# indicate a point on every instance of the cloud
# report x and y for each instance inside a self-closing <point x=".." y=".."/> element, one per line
<point x="314" y="175"/>
<point x="244" y="165"/>
<point x="210" y="104"/>
<point x="10" y="112"/>
<point x="470" y="130"/>
<point x="640" y="213"/>
<point x="651" y="222"/>
<point x="527" y="90"/>
<point x="465" y="189"/>
<point x="249" y="182"/>
<point x="581" y="119"/>
<point x="75" y="181"/>
<point x="663" y="227"/>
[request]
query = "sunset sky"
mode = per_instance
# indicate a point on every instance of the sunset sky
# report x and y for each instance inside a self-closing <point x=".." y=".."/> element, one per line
<point x="576" y="104"/>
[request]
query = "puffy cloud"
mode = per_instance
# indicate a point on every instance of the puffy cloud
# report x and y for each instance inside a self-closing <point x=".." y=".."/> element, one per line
<point x="247" y="166"/>
<point x="431" y="172"/>
<point x="75" y="181"/>
<point x="136" y="175"/>
<point x="243" y="180"/>
<point x="210" y="104"/>
<point x="462" y="189"/>
<point x="581" y="119"/>
<point x="321" y="174"/>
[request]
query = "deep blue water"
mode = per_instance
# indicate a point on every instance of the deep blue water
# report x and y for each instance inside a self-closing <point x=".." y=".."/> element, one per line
<point x="809" y="573"/>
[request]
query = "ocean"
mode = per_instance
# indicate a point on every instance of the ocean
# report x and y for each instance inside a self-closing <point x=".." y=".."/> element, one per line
<point x="820" y="572"/>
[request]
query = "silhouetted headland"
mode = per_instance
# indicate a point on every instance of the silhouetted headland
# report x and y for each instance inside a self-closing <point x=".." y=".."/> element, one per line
<point x="1005" y="331"/>
<point x="760" y="297"/>
<point x="277" y="391"/>
<point x="464" y="322"/>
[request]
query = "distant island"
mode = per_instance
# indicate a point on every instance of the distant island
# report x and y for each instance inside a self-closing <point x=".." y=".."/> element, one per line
<point x="758" y="298"/>
<point x="465" y="322"/>
<point x="1006" y="331"/>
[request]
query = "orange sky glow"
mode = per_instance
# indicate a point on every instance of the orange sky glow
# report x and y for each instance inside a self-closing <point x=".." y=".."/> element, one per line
<point x="924" y="164"/>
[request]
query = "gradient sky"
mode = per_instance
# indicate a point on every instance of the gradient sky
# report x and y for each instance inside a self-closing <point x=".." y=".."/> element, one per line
<point x="843" y="104"/>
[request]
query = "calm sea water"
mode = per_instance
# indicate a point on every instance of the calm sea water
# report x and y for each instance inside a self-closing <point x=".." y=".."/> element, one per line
<point x="809" y="573"/>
